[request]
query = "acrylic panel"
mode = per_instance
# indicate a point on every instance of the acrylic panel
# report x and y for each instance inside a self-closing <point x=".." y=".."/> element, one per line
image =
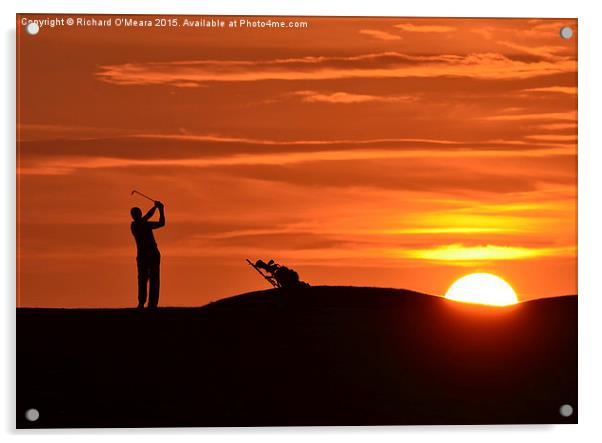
<point x="284" y="221"/>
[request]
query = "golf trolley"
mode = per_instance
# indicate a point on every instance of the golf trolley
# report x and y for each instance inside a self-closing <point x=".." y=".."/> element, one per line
<point x="277" y="275"/>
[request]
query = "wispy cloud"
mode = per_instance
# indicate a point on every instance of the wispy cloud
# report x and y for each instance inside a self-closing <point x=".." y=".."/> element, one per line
<point x="410" y="27"/>
<point x="460" y="252"/>
<point x="349" y="98"/>
<point x="378" y="65"/>
<point x="484" y="31"/>
<point x="558" y="126"/>
<point x="534" y="31"/>
<point x="569" y="115"/>
<point x="571" y="90"/>
<point x="215" y="147"/>
<point x="545" y="29"/>
<point x="303" y="142"/>
<point x="548" y="52"/>
<point x="61" y="164"/>
<point x="379" y="35"/>
<point x="41" y="131"/>
<point x="553" y="137"/>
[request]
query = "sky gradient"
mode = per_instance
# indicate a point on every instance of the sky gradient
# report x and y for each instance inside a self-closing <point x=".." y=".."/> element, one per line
<point x="386" y="152"/>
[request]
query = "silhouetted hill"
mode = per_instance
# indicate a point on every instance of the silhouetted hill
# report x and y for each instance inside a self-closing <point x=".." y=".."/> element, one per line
<point x="326" y="356"/>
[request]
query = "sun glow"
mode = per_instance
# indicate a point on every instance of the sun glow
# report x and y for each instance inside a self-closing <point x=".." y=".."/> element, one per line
<point x="459" y="252"/>
<point x="482" y="288"/>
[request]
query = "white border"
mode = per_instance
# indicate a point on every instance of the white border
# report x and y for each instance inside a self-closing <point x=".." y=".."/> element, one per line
<point x="590" y="220"/>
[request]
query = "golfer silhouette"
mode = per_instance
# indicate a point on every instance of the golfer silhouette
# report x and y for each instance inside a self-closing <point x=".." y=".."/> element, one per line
<point x="148" y="258"/>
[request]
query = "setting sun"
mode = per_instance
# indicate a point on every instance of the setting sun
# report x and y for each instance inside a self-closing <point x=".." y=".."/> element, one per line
<point x="482" y="288"/>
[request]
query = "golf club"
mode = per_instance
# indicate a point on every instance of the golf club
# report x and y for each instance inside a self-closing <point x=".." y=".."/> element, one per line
<point x="143" y="195"/>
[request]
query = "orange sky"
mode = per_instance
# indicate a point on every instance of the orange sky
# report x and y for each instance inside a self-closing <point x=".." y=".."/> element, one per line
<point x="383" y="152"/>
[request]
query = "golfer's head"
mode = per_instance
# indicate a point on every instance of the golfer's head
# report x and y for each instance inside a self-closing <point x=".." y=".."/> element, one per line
<point x="136" y="213"/>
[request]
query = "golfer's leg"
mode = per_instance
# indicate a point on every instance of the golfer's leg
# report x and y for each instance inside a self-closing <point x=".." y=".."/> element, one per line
<point x="142" y="285"/>
<point x="155" y="281"/>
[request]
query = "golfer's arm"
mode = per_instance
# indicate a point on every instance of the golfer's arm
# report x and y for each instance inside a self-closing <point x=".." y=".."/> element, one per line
<point x="149" y="214"/>
<point x="160" y="223"/>
<point x="161" y="216"/>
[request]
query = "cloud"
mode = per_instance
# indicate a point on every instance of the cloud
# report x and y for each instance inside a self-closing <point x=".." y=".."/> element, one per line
<point x="447" y="176"/>
<point x="571" y="90"/>
<point x="460" y="252"/>
<point x="349" y="98"/>
<point x="209" y="147"/>
<point x="547" y="52"/>
<point x="272" y="239"/>
<point x="522" y="30"/>
<point x="378" y="65"/>
<point x="410" y="27"/>
<point x="485" y="32"/>
<point x="558" y="126"/>
<point x="547" y="29"/>
<point x="41" y="131"/>
<point x="60" y="157"/>
<point x="559" y="138"/>
<point x="379" y="35"/>
<point x="569" y="115"/>
<point x="185" y="84"/>
<point x="61" y="165"/>
<point x="188" y="150"/>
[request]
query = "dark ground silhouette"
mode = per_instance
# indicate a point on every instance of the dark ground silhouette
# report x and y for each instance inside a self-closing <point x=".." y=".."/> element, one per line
<point x="328" y="356"/>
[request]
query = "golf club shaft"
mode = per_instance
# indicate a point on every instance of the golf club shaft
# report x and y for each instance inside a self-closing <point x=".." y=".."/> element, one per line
<point x="143" y="195"/>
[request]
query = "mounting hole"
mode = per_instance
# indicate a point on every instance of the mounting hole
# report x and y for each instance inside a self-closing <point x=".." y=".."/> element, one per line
<point x="566" y="32"/>
<point x="32" y="414"/>
<point x="32" y="28"/>
<point x="566" y="410"/>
